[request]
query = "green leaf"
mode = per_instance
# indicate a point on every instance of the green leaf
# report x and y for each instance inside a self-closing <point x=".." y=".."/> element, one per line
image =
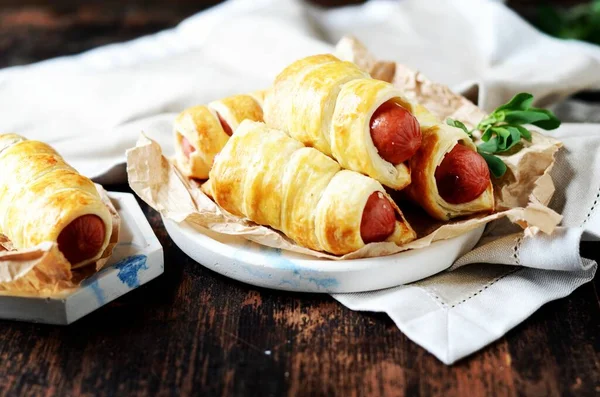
<point x="502" y="130"/>
<point x="488" y="121"/>
<point x="507" y="136"/>
<point x="514" y="139"/>
<point x="458" y="124"/>
<point x="521" y="101"/>
<point x="524" y="116"/>
<point x="524" y="132"/>
<point x="551" y="123"/>
<point x="496" y="166"/>
<point x="503" y="136"/>
<point x="487" y="134"/>
<point x="490" y="146"/>
<point x="515" y="134"/>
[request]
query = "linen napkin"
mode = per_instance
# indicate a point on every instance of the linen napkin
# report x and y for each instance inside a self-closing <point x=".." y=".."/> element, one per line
<point x="93" y="106"/>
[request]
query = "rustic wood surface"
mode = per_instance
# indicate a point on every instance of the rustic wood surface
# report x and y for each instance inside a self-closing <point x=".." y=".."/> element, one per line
<point x="194" y="332"/>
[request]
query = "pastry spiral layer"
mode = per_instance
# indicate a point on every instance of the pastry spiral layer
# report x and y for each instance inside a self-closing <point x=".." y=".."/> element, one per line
<point x="44" y="199"/>
<point x="202" y="131"/>
<point x="266" y="176"/>
<point x="337" y="108"/>
<point x="449" y="178"/>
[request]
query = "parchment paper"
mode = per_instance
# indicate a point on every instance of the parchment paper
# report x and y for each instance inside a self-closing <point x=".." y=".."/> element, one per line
<point x="521" y="195"/>
<point x="43" y="270"/>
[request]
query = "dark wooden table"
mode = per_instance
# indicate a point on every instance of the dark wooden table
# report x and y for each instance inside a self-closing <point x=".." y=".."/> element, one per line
<point x="192" y="331"/>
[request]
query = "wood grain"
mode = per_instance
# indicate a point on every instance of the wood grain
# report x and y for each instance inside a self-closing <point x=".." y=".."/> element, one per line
<point x="35" y="30"/>
<point x="194" y="332"/>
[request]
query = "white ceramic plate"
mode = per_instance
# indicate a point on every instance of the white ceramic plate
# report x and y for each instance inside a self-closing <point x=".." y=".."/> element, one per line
<point x="262" y="266"/>
<point x="136" y="259"/>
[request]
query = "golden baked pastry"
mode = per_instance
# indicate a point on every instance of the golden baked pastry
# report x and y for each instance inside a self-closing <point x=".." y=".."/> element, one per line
<point x="202" y="131"/>
<point x="44" y="199"/>
<point x="259" y="97"/>
<point x="333" y="106"/>
<point x="266" y="176"/>
<point x="447" y="164"/>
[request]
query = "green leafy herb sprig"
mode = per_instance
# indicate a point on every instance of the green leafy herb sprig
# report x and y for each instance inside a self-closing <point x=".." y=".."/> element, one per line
<point x="503" y="129"/>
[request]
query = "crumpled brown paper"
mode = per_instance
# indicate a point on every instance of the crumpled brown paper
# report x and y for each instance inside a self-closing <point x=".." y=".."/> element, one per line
<point x="521" y="195"/>
<point x="43" y="270"/>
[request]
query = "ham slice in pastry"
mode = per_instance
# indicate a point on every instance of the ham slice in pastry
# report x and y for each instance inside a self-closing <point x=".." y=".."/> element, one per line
<point x="266" y="176"/>
<point x="365" y="124"/>
<point x="44" y="199"/>
<point x="202" y="131"/>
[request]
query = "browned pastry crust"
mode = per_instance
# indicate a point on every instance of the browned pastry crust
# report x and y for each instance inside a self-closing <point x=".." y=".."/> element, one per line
<point x="266" y="176"/>
<point x="201" y="127"/>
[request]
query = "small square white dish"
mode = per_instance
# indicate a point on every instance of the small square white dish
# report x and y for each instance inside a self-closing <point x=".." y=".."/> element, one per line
<point x="136" y="259"/>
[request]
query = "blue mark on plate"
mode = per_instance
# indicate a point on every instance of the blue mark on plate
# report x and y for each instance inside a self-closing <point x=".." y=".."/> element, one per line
<point x="129" y="268"/>
<point x="276" y="258"/>
<point x="98" y="293"/>
<point x="324" y="283"/>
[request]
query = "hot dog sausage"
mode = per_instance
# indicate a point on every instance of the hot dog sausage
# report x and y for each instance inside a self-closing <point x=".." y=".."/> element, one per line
<point x="226" y="127"/>
<point x="395" y="132"/>
<point x="82" y="238"/>
<point x="378" y="219"/>
<point x="187" y="147"/>
<point x="462" y="176"/>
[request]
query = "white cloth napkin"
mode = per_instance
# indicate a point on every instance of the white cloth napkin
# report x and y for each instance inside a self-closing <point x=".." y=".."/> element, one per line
<point x="93" y="106"/>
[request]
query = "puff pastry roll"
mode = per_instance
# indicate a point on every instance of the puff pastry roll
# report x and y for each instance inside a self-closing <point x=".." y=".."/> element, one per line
<point x="266" y="176"/>
<point x="449" y="178"/>
<point x="43" y="199"/>
<point x="202" y="131"/>
<point x="365" y="124"/>
<point x="259" y="97"/>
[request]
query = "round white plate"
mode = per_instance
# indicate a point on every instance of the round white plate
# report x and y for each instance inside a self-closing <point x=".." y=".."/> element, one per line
<point x="267" y="267"/>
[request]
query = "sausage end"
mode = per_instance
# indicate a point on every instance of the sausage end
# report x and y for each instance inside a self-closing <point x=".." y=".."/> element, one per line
<point x="82" y="239"/>
<point x="462" y="176"/>
<point x="395" y="133"/>
<point x="187" y="147"/>
<point x="225" y="125"/>
<point x="378" y="220"/>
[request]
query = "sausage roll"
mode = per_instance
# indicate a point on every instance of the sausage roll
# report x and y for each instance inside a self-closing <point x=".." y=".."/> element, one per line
<point x="365" y="124"/>
<point x="43" y="199"/>
<point x="449" y="178"/>
<point x="259" y="97"/>
<point x="266" y="176"/>
<point x="202" y="131"/>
